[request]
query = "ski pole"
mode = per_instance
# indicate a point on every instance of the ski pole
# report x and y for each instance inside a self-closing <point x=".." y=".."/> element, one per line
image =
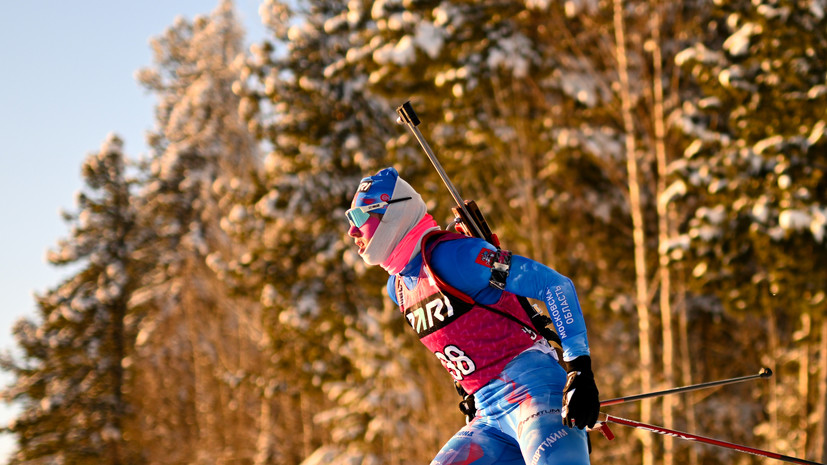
<point x="705" y="440"/>
<point x="764" y="373"/>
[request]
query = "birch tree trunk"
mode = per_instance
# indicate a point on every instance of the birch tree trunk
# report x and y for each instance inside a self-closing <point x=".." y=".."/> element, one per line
<point x="686" y="364"/>
<point x="636" y="208"/>
<point x="663" y="234"/>
<point x="774" y="353"/>
<point x="685" y="350"/>
<point x="264" y="443"/>
<point x="804" y="380"/>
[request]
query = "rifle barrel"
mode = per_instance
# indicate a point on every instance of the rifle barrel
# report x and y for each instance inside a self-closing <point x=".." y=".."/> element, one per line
<point x="408" y="116"/>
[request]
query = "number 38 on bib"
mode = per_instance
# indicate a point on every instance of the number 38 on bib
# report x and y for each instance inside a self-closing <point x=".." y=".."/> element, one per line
<point x="456" y="362"/>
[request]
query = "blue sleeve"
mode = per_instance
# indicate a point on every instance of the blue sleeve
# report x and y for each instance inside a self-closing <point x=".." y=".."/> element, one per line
<point x="456" y="262"/>
<point x="391" y="288"/>
<point x="537" y="281"/>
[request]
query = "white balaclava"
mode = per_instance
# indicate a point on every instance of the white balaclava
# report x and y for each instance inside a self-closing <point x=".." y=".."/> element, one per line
<point x="399" y="219"/>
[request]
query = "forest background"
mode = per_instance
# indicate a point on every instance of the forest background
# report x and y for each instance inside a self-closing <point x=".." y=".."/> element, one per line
<point x="668" y="156"/>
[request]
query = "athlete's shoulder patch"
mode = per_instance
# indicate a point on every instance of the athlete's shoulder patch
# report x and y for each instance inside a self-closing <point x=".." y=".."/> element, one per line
<point x="486" y="257"/>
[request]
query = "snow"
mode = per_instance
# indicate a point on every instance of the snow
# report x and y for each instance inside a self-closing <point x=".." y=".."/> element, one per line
<point x="717" y="185"/>
<point x="727" y="76"/>
<point x="273" y="13"/>
<point x="429" y="38"/>
<point x="308" y="305"/>
<point x="378" y="10"/>
<point x="681" y="242"/>
<point x="70" y="314"/>
<point x="700" y="53"/>
<point x="693" y="149"/>
<point x="794" y="220"/>
<point x="309" y="84"/>
<point x="402" y="54"/>
<point x="323" y="456"/>
<point x="817" y="133"/>
<point x="818" y="223"/>
<point x="699" y="270"/>
<point x="817" y="8"/>
<point x="603" y="142"/>
<point x="354" y="12"/>
<point x="110" y="433"/>
<point x="761" y="211"/>
<point x="330" y="26"/>
<point x="447" y="14"/>
<point x="580" y="85"/>
<point x="675" y="190"/>
<point x="511" y="53"/>
<point x="266" y="207"/>
<point x="395" y="22"/>
<point x="707" y="223"/>
<point x="426" y="37"/>
<point x="237" y="214"/>
<point x="771" y="12"/>
<point x="773" y="142"/>
<point x="709" y="103"/>
<point x="738" y="43"/>
<point x="776" y="233"/>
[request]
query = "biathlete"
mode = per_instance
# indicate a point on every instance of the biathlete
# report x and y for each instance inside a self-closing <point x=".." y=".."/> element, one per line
<point x="529" y="410"/>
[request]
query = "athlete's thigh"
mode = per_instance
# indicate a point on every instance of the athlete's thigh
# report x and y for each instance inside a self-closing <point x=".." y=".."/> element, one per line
<point x="543" y="437"/>
<point x="479" y="444"/>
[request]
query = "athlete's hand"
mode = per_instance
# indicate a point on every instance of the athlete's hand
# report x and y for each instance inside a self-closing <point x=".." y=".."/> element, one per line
<point x="581" y="404"/>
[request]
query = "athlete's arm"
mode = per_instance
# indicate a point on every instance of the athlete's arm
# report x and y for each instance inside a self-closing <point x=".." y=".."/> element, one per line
<point x="463" y="265"/>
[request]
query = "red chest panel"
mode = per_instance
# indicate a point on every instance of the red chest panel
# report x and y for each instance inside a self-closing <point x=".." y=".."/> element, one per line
<point x="473" y="343"/>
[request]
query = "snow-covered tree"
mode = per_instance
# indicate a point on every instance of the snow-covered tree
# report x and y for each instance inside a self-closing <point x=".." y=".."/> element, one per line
<point x="650" y="150"/>
<point x="524" y="103"/>
<point x="198" y="343"/>
<point x="754" y="172"/>
<point x="324" y="132"/>
<point x="71" y="380"/>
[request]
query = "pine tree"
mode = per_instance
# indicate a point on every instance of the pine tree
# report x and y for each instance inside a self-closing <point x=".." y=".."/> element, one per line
<point x="355" y="401"/>
<point x="72" y="382"/>
<point x="197" y="354"/>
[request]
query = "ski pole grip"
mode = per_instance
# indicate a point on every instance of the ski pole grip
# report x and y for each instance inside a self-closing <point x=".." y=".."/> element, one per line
<point x="407" y="115"/>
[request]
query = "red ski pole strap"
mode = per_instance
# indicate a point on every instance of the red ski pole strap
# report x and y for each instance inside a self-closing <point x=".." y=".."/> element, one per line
<point x="705" y="440"/>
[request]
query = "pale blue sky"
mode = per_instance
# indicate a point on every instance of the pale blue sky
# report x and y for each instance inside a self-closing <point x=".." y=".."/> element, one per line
<point x="66" y="81"/>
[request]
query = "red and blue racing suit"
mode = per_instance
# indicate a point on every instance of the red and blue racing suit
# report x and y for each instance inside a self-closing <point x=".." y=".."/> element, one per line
<point x="514" y="375"/>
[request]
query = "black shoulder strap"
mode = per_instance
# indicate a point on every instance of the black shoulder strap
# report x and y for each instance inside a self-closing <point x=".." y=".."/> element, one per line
<point x="500" y="269"/>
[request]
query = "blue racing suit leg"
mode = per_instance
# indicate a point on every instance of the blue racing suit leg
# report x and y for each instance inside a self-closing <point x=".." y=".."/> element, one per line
<point x="518" y="420"/>
<point x="479" y="443"/>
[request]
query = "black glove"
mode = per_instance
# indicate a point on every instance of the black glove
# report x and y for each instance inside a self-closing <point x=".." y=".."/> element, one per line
<point x="580" y="397"/>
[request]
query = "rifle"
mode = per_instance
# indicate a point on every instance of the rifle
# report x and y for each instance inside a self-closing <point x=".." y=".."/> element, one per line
<point x="466" y="213"/>
<point x="471" y="221"/>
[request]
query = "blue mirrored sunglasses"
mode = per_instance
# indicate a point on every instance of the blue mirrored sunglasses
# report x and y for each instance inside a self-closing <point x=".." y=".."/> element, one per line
<point x="357" y="216"/>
